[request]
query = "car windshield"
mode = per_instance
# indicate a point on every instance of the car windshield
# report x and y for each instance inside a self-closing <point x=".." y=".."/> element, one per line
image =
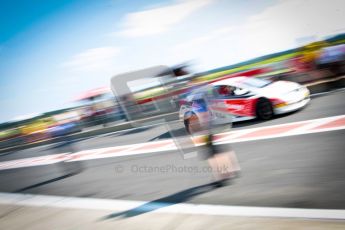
<point x="255" y="82"/>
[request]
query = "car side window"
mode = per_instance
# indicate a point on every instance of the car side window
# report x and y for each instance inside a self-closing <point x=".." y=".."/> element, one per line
<point x="224" y="91"/>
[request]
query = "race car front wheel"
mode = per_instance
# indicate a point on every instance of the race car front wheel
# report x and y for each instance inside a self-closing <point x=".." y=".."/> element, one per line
<point x="264" y="109"/>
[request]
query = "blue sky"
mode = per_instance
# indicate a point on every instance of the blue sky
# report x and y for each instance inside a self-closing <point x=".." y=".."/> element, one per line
<point x="50" y="51"/>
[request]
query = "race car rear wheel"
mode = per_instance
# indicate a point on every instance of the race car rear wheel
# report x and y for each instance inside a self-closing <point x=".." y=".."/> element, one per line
<point x="186" y="125"/>
<point x="264" y="109"/>
<point x="192" y="124"/>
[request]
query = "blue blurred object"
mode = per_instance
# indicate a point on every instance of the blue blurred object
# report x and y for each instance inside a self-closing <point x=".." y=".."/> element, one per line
<point x="64" y="129"/>
<point x="199" y="105"/>
<point x="332" y="54"/>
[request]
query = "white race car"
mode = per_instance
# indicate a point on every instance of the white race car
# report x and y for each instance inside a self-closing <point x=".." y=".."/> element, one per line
<point x="243" y="98"/>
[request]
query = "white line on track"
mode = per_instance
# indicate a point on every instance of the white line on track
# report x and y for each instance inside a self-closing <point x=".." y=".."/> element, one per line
<point x="311" y="125"/>
<point x="306" y="127"/>
<point x="180" y="208"/>
<point x="282" y="135"/>
<point x="254" y="134"/>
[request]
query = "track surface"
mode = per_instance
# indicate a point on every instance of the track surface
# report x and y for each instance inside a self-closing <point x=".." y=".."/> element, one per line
<point x="304" y="171"/>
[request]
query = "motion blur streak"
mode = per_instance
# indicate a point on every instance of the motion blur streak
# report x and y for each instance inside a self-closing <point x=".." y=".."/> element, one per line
<point x="266" y="132"/>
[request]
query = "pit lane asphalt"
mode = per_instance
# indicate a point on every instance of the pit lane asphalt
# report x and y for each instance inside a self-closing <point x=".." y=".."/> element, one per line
<point x="303" y="171"/>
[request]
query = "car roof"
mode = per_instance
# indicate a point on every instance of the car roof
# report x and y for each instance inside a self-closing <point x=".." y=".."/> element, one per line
<point x="235" y="81"/>
<point x="230" y="81"/>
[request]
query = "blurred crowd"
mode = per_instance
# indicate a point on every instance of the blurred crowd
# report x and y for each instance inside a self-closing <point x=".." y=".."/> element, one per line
<point x="60" y="123"/>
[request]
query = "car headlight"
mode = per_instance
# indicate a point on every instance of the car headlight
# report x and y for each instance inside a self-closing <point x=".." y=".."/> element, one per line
<point x="278" y="103"/>
<point x="306" y="92"/>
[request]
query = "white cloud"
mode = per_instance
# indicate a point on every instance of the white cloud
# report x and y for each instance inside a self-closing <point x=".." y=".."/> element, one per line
<point x="158" y="20"/>
<point x="279" y="27"/>
<point x="215" y="49"/>
<point x="198" y="43"/>
<point x="93" y="59"/>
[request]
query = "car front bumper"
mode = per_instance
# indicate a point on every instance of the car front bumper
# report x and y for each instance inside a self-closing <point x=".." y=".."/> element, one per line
<point x="292" y="107"/>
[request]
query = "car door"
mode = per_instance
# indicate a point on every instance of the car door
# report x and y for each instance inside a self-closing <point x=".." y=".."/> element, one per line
<point x="238" y="101"/>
